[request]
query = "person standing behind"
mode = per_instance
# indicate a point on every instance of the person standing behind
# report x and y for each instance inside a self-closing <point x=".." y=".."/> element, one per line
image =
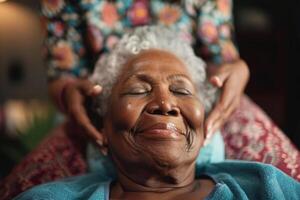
<point x="78" y="32"/>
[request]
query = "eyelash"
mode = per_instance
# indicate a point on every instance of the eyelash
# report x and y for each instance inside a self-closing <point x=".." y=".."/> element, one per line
<point x="144" y="92"/>
<point x="179" y="92"/>
<point x="176" y="92"/>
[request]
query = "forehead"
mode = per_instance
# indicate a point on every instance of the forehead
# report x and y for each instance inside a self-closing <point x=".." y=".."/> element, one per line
<point x="155" y="61"/>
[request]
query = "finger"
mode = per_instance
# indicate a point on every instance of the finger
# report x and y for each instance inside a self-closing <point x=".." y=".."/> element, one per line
<point x="81" y="118"/>
<point x="77" y="112"/>
<point x="219" y="76"/>
<point x="213" y="116"/>
<point x="218" y="123"/>
<point x="214" y="127"/>
<point x="227" y="97"/>
<point x="228" y="94"/>
<point x="87" y="87"/>
<point x="231" y="108"/>
<point x="216" y="81"/>
<point x="79" y="115"/>
<point x="96" y="90"/>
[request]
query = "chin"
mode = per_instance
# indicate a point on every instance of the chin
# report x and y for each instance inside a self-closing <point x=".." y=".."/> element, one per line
<point x="168" y="156"/>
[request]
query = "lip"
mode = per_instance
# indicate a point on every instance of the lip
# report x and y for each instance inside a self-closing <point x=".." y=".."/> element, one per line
<point x="161" y="131"/>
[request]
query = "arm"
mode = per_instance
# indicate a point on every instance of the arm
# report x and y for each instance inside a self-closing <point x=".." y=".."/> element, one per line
<point x="67" y="61"/>
<point x="225" y="67"/>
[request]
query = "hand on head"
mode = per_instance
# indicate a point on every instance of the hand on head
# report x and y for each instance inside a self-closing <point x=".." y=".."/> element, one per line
<point x="72" y="95"/>
<point x="231" y="78"/>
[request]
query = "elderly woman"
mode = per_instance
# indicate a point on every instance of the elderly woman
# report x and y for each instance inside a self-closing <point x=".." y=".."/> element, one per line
<point x="152" y="114"/>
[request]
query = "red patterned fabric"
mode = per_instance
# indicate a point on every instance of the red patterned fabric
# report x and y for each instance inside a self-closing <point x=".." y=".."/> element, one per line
<point x="249" y="135"/>
<point x="58" y="156"/>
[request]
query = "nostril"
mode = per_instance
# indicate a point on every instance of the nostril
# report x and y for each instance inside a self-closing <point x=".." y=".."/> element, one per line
<point x="157" y="112"/>
<point x="173" y="113"/>
<point x="164" y="110"/>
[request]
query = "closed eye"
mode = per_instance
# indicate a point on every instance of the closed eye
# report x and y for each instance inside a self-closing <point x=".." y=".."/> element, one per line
<point x="181" y="91"/>
<point x="137" y="91"/>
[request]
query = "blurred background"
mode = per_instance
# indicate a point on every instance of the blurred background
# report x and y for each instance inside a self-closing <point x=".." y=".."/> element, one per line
<point x="267" y="34"/>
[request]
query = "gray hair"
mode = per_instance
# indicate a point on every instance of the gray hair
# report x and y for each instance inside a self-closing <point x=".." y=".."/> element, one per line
<point x="107" y="70"/>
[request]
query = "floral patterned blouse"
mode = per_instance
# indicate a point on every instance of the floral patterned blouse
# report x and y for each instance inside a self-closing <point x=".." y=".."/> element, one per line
<point x="81" y="31"/>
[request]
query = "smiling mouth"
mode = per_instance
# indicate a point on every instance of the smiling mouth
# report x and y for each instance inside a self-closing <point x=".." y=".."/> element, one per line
<point x="167" y="131"/>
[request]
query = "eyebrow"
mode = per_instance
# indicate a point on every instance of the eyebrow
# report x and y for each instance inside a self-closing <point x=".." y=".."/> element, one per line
<point x="142" y="77"/>
<point x="178" y="76"/>
<point x="149" y="79"/>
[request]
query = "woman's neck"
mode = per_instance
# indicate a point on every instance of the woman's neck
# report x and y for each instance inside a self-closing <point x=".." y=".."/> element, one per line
<point x="197" y="189"/>
<point x="145" y="185"/>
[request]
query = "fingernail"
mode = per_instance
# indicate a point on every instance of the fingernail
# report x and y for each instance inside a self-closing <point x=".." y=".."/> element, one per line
<point x="209" y="135"/>
<point x="218" y="81"/>
<point x="206" y="141"/>
<point x="104" y="151"/>
<point x="97" y="89"/>
<point x="99" y="142"/>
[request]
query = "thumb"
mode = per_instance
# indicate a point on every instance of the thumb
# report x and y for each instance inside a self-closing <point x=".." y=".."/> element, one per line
<point x="89" y="89"/>
<point x="218" y="78"/>
<point x="96" y="90"/>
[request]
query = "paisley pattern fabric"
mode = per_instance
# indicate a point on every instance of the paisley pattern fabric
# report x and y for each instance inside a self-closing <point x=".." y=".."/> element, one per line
<point x="248" y="135"/>
<point x="80" y="31"/>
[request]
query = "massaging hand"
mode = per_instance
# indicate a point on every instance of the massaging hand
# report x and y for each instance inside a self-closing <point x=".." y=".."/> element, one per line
<point x="232" y="79"/>
<point x="72" y="97"/>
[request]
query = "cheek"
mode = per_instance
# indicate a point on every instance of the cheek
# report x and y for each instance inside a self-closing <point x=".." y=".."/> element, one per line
<point x="193" y="111"/>
<point x="125" y="113"/>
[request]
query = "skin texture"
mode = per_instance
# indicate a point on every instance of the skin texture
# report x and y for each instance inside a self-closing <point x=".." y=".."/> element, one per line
<point x="72" y="95"/>
<point x="232" y="78"/>
<point x="154" y="129"/>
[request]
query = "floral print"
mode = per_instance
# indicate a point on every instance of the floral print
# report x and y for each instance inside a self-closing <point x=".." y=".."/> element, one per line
<point x="224" y="31"/>
<point x="79" y="32"/>
<point x="57" y="28"/>
<point x="52" y="7"/>
<point x="95" y="38"/>
<point x="214" y="29"/>
<point x="169" y="15"/>
<point x="138" y="14"/>
<point x="109" y="14"/>
<point x="63" y="55"/>
<point x="228" y="51"/>
<point x="208" y="31"/>
<point x="224" y="7"/>
<point x="111" y="41"/>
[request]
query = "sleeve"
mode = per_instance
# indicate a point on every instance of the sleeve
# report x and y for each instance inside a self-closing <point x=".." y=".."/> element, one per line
<point x="64" y="47"/>
<point x="215" y="31"/>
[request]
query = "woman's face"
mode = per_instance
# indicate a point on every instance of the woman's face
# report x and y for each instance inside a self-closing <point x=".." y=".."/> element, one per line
<point x="155" y="118"/>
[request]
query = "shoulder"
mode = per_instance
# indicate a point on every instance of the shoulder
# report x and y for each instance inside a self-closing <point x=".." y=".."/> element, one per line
<point x="253" y="179"/>
<point x="79" y="187"/>
<point x="236" y="168"/>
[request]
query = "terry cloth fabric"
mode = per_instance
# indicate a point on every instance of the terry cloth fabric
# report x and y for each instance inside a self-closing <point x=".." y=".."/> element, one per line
<point x="234" y="180"/>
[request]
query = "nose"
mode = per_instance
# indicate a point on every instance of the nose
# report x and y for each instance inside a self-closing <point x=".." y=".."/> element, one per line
<point x="163" y="104"/>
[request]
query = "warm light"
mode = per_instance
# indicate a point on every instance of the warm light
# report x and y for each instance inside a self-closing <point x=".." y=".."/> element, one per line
<point x="1" y="1"/>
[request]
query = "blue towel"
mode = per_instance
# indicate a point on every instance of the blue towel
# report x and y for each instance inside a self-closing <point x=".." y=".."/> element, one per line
<point x="234" y="180"/>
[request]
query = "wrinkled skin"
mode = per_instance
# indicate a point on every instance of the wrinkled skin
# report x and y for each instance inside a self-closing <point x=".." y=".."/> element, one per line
<point x="154" y="130"/>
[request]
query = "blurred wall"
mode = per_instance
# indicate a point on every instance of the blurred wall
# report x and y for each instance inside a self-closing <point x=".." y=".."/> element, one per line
<point x="22" y="73"/>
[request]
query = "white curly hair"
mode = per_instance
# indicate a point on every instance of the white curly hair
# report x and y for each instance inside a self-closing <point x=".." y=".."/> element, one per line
<point x="107" y="70"/>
